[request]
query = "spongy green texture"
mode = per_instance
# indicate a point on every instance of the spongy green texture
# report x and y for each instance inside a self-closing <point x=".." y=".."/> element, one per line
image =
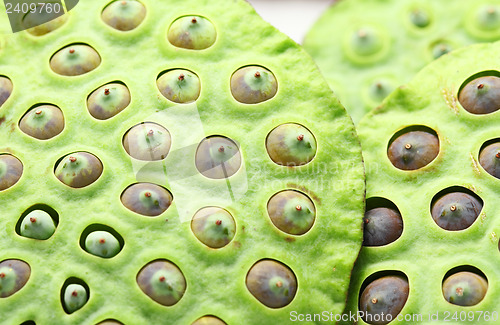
<point x="404" y="48"/>
<point x="321" y="259"/>
<point x="425" y="252"/>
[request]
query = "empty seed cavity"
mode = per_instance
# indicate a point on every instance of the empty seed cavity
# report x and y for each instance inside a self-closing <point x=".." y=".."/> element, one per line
<point x="179" y="85"/>
<point x="162" y="281"/>
<point x="74" y="60"/>
<point x="147" y="141"/>
<point x="42" y="122"/>
<point x="272" y="283"/>
<point x="14" y="274"/>
<point x="213" y="226"/>
<point x="124" y="15"/>
<point x="146" y="199"/>
<point x="108" y="100"/>
<point x="11" y="170"/>
<point x="291" y="145"/>
<point x="74" y="295"/>
<point x="5" y="89"/>
<point x="209" y="320"/>
<point x="253" y="84"/>
<point x="489" y="157"/>
<point x="382" y="223"/>
<point x="38" y="222"/>
<point x="292" y="212"/>
<point x="218" y="157"/>
<point x="78" y="169"/>
<point x="465" y="286"/>
<point x="480" y="95"/>
<point x="101" y="240"/>
<point x="413" y="148"/>
<point x="192" y="32"/>
<point x="383" y="294"/>
<point x="456" y="208"/>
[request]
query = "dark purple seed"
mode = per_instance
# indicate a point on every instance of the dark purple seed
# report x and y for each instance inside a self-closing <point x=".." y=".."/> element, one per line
<point x="489" y="158"/>
<point x="382" y="226"/>
<point x="456" y="211"/>
<point x="11" y="170"/>
<point x="481" y="95"/>
<point x="413" y="150"/>
<point x="5" y="89"/>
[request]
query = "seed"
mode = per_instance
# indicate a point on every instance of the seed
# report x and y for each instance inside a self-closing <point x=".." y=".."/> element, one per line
<point x="420" y="18"/>
<point x="102" y="244"/>
<point x="292" y="212"/>
<point x="413" y="150"/>
<point x="481" y="95"/>
<point x="382" y="226"/>
<point x="75" y="60"/>
<point x="213" y="226"/>
<point x="489" y="158"/>
<point x="11" y="170"/>
<point x="108" y="100"/>
<point x="166" y="292"/>
<point x="124" y="15"/>
<point x="215" y="163"/>
<point x="455" y="210"/>
<point x="272" y="283"/>
<point x="13" y="276"/>
<point x="5" y="89"/>
<point x="37" y="224"/>
<point x="42" y="122"/>
<point x="180" y="86"/>
<point x="75" y="297"/>
<point x="366" y="41"/>
<point x="209" y="320"/>
<point x="40" y="22"/>
<point x="192" y="32"/>
<point x="79" y="169"/>
<point x="147" y="141"/>
<point x="465" y="288"/>
<point x="291" y="145"/>
<point x="253" y="84"/>
<point x="154" y="204"/>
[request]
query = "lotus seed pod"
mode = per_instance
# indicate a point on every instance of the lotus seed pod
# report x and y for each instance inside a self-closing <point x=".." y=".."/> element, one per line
<point x="79" y="169"/>
<point x="465" y="288"/>
<point x="192" y="32"/>
<point x="74" y="60"/>
<point x="147" y="141"/>
<point x="456" y="211"/>
<point x="481" y="95"/>
<point x="489" y="158"/>
<point x="272" y="283"/>
<point x="179" y="86"/>
<point x="11" y="170"/>
<point x="292" y="212"/>
<point x="37" y="224"/>
<point x="382" y="226"/>
<point x="218" y="157"/>
<point x="375" y="43"/>
<point x="124" y="15"/>
<point x="13" y="276"/>
<point x="291" y="145"/>
<point x="108" y="100"/>
<point x="146" y="199"/>
<point x="253" y="84"/>
<point x="384" y="296"/>
<point x="420" y="18"/>
<point x="102" y="243"/>
<point x="52" y="21"/>
<point x="5" y="89"/>
<point x="151" y="186"/>
<point x="42" y="122"/>
<point x="75" y="297"/>
<point x="209" y="320"/>
<point x="413" y="150"/>
<point x="213" y="226"/>
<point x="162" y="281"/>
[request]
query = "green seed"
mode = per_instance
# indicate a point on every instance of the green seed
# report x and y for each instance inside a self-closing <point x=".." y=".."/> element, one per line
<point x="209" y="320"/>
<point x="13" y="276"/>
<point x="366" y="41"/>
<point x="481" y="95"/>
<point x="291" y="145"/>
<point x="147" y="199"/>
<point x="465" y="288"/>
<point x="102" y="243"/>
<point x="5" y="89"/>
<point x="382" y="226"/>
<point x="11" y="170"/>
<point x="379" y="90"/>
<point x="218" y="157"/>
<point x="382" y="297"/>
<point x="213" y="226"/>
<point x="489" y="158"/>
<point x="124" y="15"/>
<point x="292" y="212"/>
<point x="420" y="18"/>
<point x="74" y="60"/>
<point x="108" y="100"/>
<point x="192" y="32"/>
<point x="488" y="18"/>
<point x="42" y="122"/>
<point x="253" y="84"/>
<point x="37" y="224"/>
<point x="33" y="19"/>
<point x="179" y="86"/>
<point x="75" y="297"/>
<point x="272" y="283"/>
<point x="162" y="281"/>
<point x="413" y="150"/>
<point x="440" y="48"/>
<point x="79" y="169"/>
<point x="456" y="211"/>
<point x="147" y="141"/>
